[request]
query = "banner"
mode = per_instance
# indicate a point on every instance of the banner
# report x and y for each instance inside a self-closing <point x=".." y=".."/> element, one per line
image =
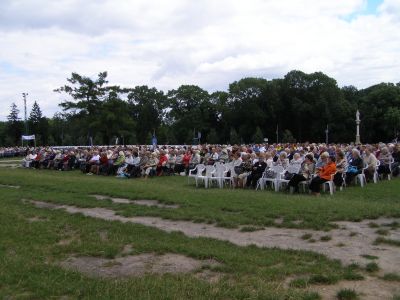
<point x="28" y="137"/>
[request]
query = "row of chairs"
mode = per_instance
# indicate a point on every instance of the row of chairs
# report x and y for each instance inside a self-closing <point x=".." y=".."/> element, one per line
<point x="209" y="174"/>
<point x="222" y="174"/>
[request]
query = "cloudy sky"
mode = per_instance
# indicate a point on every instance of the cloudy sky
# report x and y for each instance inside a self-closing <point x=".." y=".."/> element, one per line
<point x="210" y="43"/>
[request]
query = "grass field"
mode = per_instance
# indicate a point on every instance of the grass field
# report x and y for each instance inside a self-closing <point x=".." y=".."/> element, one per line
<point x="31" y="246"/>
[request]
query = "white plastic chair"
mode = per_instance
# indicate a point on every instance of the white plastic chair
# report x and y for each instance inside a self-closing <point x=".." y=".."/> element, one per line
<point x="209" y="170"/>
<point x="198" y="169"/>
<point x="278" y="170"/>
<point x="219" y="175"/>
<point x="390" y="169"/>
<point x="330" y="184"/>
<point x="376" y="174"/>
<point x="361" y="177"/>
<point x="292" y="169"/>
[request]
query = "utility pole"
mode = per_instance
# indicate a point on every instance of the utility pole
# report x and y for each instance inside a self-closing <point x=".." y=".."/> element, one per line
<point x="26" y="123"/>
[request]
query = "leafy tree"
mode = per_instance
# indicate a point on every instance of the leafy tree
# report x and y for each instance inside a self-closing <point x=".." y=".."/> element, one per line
<point x="87" y="95"/>
<point x="191" y="110"/>
<point x="147" y="109"/>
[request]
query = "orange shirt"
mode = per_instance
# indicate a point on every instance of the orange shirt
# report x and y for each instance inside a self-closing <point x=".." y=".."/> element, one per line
<point x="327" y="171"/>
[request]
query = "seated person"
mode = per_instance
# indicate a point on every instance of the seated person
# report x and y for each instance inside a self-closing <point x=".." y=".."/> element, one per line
<point x="134" y="167"/>
<point x="341" y="167"/>
<point x="151" y="165"/>
<point x="306" y="171"/>
<point x="162" y="163"/>
<point x="370" y="162"/>
<point x="179" y="166"/>
<point x="355" y="166"/>
<point x="94" y="161"/>
<point x="236" y="163"/>
<point x="256" y="172"/>
<point x="324" y="174"/>
<point x="385" y="158"/>
<point x="282" y="160"/>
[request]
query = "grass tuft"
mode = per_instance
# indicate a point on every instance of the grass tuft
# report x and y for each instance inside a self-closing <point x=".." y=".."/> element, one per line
<point x="372" y="267"/>
<point x="250" y="228"/>
<point x="381" y="240"/>
<point x="371" y="257"/>
<point x="312" y="296"/>
<point x="322" y="279"/>
<point x="326" y="238"/>
<point x="391" y="277"/>
<point x="299" y="283"/>
<point x="306" y="236"/>
<point x="382" y="232"/>
<point x="347" y="294"/>
<point x="373" y="225"/>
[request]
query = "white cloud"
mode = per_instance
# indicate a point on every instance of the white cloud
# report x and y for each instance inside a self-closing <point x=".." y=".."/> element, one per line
<point x="167" y="43"/>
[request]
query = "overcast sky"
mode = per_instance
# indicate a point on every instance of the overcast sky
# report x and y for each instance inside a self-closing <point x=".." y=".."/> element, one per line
<point x="210" y="43"/>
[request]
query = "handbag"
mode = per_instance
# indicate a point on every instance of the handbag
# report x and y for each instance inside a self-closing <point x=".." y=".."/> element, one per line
<point x="352" y="169"/>
<point x="238" y="170"/>
<point x="270" y="173"/>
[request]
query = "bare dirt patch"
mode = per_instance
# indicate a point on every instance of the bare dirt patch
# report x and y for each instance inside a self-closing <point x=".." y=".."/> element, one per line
<point x="36" y="219"/>
<point x="351" y="250"/>
<point x="154" y="203"/>
<point x="134" y="265"/>
<point x="9" y="186"/>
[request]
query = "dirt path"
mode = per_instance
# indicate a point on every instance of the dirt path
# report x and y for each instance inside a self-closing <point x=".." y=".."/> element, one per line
<point x="348" y="244"/>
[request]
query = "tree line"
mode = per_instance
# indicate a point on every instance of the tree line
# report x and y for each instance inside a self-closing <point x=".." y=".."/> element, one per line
<point x="298" y="107"/>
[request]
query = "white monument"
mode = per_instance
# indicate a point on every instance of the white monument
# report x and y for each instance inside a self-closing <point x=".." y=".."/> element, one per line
<point x="358" y="127"/>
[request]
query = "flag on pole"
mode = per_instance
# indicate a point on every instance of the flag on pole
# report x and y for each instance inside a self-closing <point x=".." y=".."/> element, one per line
<point x="154" y="140"/>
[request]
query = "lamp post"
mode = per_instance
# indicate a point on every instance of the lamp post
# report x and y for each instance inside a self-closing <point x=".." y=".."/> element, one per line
<point x="326" y="134"/>
<point x="26" y="122"/>
<point x="358" y="127"/>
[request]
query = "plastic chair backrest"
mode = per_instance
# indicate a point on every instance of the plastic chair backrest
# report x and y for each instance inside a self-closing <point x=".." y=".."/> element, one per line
<point x="209" y="170"/>
<point x="278" y="171"/>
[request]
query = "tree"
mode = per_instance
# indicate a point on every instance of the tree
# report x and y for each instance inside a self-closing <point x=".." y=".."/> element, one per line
<point x="14" y="125"/>
<point x="147" y="109"/>
<point x="38" y="124"/>
<point x="258" y="137"/>
<point x="212" y="137"/>
<point x="234" y="138"/>
<point x="190" y="110"/>
<point x="87" y="96"/>
<point x="36" y="113"/>
<point x="287" y="137"/>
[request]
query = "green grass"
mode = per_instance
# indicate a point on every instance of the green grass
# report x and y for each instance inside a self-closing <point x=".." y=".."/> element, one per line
<point x="228" y="208"/>
<point x="29" y="251"/>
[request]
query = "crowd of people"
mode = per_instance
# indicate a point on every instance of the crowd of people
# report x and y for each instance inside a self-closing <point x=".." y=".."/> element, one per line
<point x="12" y="152"/>
<point x="311" y="163"/>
